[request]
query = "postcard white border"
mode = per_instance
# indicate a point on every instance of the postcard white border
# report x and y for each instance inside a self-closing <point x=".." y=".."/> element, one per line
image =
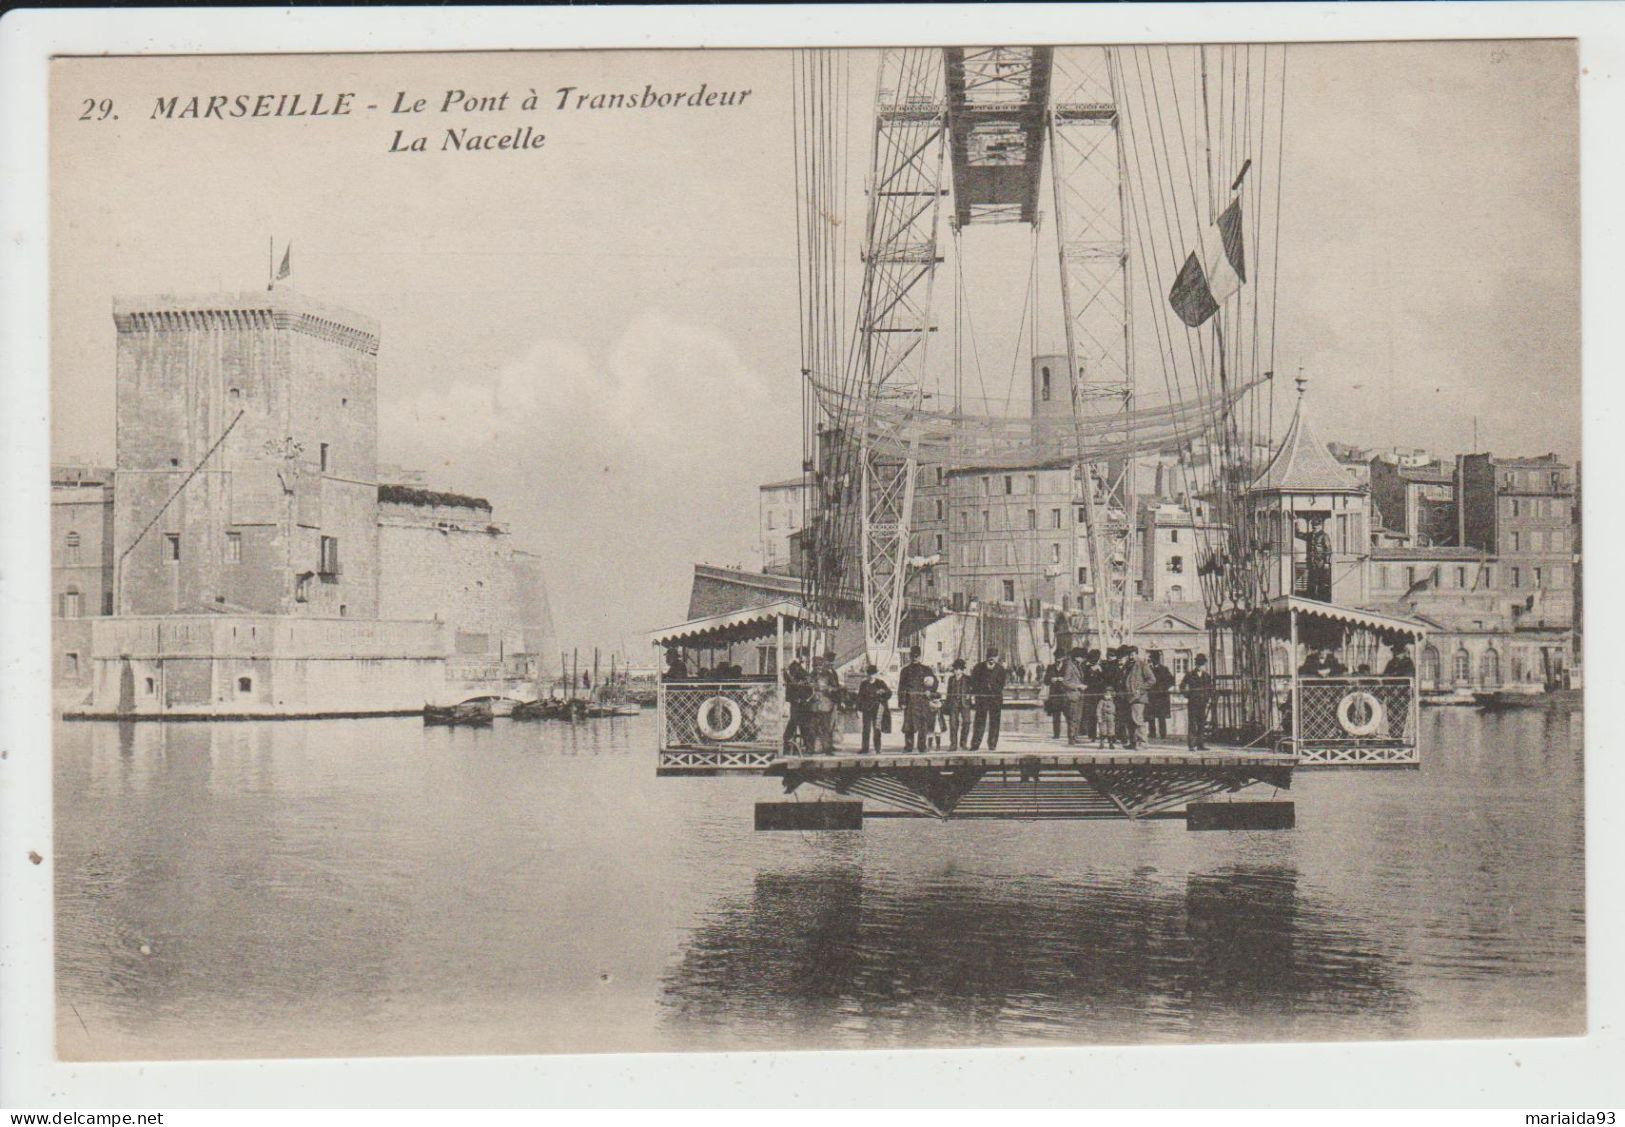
<point x="1532" y="1075"/>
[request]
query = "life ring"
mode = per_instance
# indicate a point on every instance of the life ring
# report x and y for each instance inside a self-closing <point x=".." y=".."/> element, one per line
<point x="1373" y="706"/>
<point x="729" y="728"/>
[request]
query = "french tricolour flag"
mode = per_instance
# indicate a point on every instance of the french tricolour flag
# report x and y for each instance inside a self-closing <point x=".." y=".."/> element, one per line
<point x="1213" y="273"/>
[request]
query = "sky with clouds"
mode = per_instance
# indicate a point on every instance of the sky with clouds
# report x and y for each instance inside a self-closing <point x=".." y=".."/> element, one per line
<point x="601" y="335"/>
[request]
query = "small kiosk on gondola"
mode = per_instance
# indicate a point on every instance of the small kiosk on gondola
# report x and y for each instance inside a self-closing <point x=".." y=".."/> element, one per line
<point x="721" y="694"/>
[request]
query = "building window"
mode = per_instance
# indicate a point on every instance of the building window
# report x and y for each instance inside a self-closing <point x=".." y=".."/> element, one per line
<point x="1516" y="541"/>
<point x="1536" y="573"/>
<point x="71" y="604"/>
<point x="1512" y="507"/>
<point x="324" y="457"/>
<point x="1173" y="536"/>
<point x="1081" y="517"/>
<point x="987" y="521"/>
<point x="1182" y="663"/>
<point x="1489" y="670"/>
<point x="1514" y="580"/>
<point x="1410" y="577"/>
<point x="1557" y="481"/>
<point x="301" y="589"/>
<point x="1176" y="593"/>
<point x="1055" y="518"/>
<point x="70" y="665"/>
<point x="234" y="395"/>
<point x="329" y="556"/>
<point x="234" y="547"/>
<point x="1043" y="384"/>
<point x="344" y="610"/>
<point x="1032" y="483"/>
<point x="770" y="520"/>
<point x="1083" y="577"/>
<point x="1430" y="667"/>
<point x="939" y="475"/>
<point x="1032" y="518"/>
<point x="941" y="509"/>
<point x="1009" y="590"/>
<point x="245" y="684"/>
<point x="172" y="547"/>
<point x="1462" y="667"/>
<point x="939" y="543"/>
<point x="1054" y="553"/>
<point x="1009" y="485"/>
<point x="70" y="549"/>
<point x="1176" y="565"/>
<point x="1461" y="577"/>
<point x="151" y="686"/>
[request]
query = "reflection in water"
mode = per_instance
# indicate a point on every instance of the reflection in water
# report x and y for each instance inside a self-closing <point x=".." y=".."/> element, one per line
<point x="816" y="957"/>
<point x="364" y="887"/>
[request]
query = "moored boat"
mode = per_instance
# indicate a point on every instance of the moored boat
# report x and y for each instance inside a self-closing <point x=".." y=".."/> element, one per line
<point x="470" y="714"/>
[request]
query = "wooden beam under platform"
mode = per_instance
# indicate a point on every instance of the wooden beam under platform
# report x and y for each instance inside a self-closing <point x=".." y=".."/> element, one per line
<point x="1027" y="777"/>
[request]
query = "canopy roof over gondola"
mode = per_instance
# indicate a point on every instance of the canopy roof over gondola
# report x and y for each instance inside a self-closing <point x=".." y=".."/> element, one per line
<point x="1388" y="628"/>
<point x="748" y="625"/>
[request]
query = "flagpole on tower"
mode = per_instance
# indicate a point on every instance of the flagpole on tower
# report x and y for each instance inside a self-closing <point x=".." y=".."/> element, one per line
<point x="270" y="264"/>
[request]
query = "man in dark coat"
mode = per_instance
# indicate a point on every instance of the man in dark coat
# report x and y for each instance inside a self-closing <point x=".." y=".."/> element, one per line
<point x="987" y="690"/>
<point x="1400" y="665"/>
<point x="797" y="694"/>
<point x="1160" y="707"/>
<point x="824" y="695"/>
<point x="1198" y="689"/>
<point x="915" y="684"/>
<point x="957" y="705"/>
<point x="873" y="698"/>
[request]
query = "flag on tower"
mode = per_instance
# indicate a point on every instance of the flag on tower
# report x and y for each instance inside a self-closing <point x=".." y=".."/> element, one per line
<point x="1213" y="273"/>
<point x="287" y="264"/>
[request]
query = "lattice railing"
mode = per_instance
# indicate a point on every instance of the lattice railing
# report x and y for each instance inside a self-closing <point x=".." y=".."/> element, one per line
<point x="1356" y="711"/>
<point x="721" y="713"/>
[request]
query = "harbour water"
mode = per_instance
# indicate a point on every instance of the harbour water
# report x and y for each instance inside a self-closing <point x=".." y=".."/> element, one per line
<point x="367" y="887"/>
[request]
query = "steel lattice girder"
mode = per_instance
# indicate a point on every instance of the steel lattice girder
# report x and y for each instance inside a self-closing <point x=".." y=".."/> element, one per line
<point x="1091" y="224"/>
<point x="900" y="258"/>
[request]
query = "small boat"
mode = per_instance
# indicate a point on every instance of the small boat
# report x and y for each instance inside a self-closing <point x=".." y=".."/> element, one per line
<point x="471" y="714"/>
<point x="602" y="711"/>
<point x="1502" y="700"/>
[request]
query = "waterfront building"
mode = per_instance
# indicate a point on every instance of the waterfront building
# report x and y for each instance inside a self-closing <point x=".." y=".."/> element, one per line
<point x="245" y="531"/>
<point x="1483" y="636"/>
<point x="442" y="556"/>
<point x="1174" y="538"/>
<point x="81" y="566"/>
<point x="1415" y="501"/>
<point x="781" y="509"/>
<point x="1522" y="511"/>
<point x="246" y="454"/>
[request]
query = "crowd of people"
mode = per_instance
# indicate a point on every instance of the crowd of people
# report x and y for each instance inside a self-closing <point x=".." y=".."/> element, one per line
<point x="1116" y="699"/>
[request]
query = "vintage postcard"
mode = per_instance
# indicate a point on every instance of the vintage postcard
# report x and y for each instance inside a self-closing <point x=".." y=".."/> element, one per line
<point x="1049" y="543"/>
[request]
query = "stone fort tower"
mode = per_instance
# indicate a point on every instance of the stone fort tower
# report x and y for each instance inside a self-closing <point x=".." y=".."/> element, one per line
<point x="246" y="457"/>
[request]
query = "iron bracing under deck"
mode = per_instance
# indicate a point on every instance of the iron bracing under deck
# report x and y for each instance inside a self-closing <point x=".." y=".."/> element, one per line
<point x="996" y="125"/>
<point x="1070" y="783"/>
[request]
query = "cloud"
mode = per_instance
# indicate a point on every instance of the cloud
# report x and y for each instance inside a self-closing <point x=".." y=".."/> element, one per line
<point x="620" y="465"/>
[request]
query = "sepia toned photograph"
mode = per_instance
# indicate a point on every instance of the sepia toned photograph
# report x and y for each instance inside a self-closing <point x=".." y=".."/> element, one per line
<point x="603" y="551"/>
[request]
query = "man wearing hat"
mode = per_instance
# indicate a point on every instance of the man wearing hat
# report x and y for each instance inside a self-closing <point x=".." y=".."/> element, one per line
<point x="1137" y="682"/>
<point x="915" y="684"/>
<point x="957" y="705"/>
<point x="987" y="689"/>
<point x="1074" y="682"/>
<point x="873" y="698"/>
<point x="797" y="694"/>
